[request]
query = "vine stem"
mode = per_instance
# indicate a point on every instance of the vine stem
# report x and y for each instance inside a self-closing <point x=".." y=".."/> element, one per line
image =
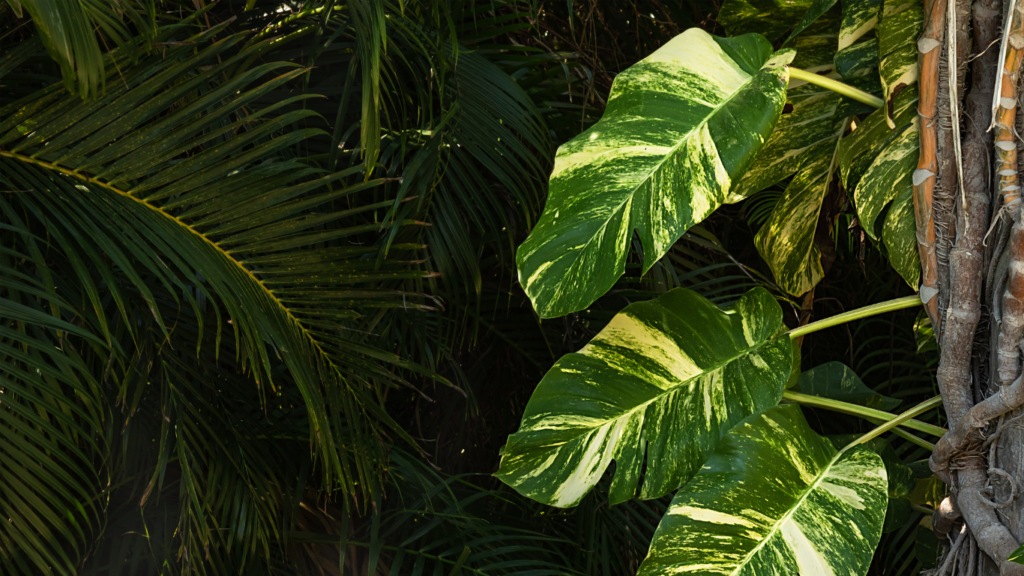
<point x="901" y="419"/>
<point x="836" y="86"/>
<point x="858" y="410"/>
<point x="872" y="310"/>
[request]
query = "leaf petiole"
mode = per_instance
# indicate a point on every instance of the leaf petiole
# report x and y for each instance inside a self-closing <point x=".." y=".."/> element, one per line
<point x="858" y="410"/>
<point x="872" y="310"/>
<point x="836" y="86"/>
<point x="902" y="418"/>
<point x="908" y="436"/>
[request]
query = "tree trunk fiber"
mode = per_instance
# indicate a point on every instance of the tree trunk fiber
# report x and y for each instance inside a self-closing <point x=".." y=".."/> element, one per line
<point x="971" y="242"/>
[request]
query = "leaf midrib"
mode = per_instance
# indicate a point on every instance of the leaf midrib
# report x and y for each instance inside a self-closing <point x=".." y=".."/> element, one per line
<point x="744" y="352"/>
<point x="660" y="163"/>
<point x="782" y="520"/>
<point x="189" y="229"/>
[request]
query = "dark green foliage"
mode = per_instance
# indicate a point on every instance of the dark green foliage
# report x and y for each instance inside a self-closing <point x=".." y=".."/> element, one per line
<point x="258" y="305"/>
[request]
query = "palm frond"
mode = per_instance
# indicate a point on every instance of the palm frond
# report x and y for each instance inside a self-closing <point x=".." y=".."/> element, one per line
<point x="170" y="180"/>
<point x="52" y="462"/>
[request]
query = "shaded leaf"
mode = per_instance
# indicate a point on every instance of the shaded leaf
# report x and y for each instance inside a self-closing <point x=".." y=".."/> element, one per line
<point x="838" y="381"/>
<point x="814" y="12"/>
<point x="924" y="333"/>
<point x="897" y="513"/>
<point x="926" y="544"/>
<point x="770" y="18"/>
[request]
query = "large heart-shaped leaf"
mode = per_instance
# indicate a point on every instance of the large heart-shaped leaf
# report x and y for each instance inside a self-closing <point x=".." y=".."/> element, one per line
<point x="668" y="377"/>
<point x="680" y="127"/>
<point x="775" y="498"/>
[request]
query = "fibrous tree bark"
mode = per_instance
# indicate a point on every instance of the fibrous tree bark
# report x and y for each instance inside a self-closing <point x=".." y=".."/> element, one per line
<point x="967" y="200"/>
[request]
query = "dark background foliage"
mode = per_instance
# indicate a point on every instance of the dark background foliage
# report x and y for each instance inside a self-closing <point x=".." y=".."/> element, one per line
<point x="200" y="457"/>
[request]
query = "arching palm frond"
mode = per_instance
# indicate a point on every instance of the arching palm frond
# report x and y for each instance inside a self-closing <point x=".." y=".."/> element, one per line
<point x="467" y="142"/>
<point x="168" y="198"/>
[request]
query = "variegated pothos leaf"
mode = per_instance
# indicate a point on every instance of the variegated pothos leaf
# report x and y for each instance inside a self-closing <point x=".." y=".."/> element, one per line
<point x="770" y="18"/>
<point x="804" y="141"/>
<point x="680" y="126"/>
<point x="898" y="31"/>
<point x="890" y="171"/>
<point x="786" y="240"/>
<point x="667" y="378"/>
<point x="899" y="234"/>
<point x="858" y="150"/>
<point x="858" y="43"/>
<point x="802" y="134"/>
<point x="774" y="499"/>
<point x="877" y="163"/>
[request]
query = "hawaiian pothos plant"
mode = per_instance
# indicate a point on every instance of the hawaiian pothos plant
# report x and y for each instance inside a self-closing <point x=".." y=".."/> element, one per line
<point x="679" y="395"/>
